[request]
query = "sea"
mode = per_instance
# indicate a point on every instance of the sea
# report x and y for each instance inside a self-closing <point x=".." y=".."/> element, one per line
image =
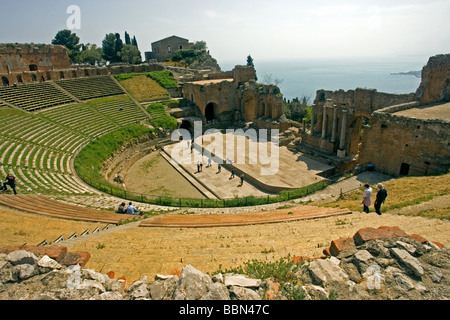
<point x="302" y="78"/>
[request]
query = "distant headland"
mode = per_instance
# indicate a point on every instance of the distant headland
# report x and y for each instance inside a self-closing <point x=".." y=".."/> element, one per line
<point x="417" y="74"/>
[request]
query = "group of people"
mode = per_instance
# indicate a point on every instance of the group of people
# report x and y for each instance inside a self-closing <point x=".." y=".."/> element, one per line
<point x="10" y="181"/>
<point x="130" y="209"/>
<point x="367" y="198"/>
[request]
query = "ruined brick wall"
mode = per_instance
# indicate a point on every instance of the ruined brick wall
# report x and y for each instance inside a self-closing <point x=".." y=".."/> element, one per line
<point x="393" y="141"/>
<point x="21" y="58"/>
<point x="435" y="86"/>
<point x="237" y="98"/>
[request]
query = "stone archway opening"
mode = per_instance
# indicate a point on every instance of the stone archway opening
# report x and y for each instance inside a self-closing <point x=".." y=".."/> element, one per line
<point x="5" y="81"/>
<point x="211" y="111"/>
<point x="186" y="124"/>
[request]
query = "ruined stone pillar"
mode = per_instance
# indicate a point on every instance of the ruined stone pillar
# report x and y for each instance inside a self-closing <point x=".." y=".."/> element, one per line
<point x="312" y="118"/>
<point x="333" y="133"/>
<point x="341" y="151"/>
<point x="324" y="122"/>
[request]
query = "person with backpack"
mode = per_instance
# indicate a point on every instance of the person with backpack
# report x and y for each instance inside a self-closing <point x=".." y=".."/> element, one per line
<point x="11" y="181"/>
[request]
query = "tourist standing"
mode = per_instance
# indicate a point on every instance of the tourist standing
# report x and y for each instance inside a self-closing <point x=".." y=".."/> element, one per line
<point x="381" y="197"/>
<point x="367" y="198"/>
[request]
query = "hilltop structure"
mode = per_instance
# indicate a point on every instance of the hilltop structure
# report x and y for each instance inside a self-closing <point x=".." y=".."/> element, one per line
<point x="163" y="50"/>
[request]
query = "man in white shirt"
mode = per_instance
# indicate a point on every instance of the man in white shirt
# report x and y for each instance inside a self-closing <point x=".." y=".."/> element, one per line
<point x="367" y="198"/>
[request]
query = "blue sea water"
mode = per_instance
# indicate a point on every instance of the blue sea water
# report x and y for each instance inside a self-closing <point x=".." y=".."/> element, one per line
<point x="304" y="77"/>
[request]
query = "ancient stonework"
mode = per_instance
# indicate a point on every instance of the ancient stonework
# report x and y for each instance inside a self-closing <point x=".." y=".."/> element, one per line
<point x="384" y="263"/>
<point x="236" y="97"/>
<point x="435" y="86"/>
<point x="405" y="134"/>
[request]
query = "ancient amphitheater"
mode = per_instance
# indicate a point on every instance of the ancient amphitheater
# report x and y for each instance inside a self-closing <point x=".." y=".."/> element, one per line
<point x="48" y="116"/>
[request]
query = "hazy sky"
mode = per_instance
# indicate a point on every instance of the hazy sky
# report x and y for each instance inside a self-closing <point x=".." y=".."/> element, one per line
<point x="232" y="29"/>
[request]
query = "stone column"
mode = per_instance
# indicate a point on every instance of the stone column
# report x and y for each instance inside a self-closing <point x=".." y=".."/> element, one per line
<point x="341" y="151"/>
<point x="324" y="122"/>
<point x="333" y="133"/>
<point x="312" y="119"/>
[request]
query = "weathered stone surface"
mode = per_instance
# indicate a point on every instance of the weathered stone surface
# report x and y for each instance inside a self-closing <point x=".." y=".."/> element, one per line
<point x="240" y="281"/>
<point x="24" y="271"/>
<point x="409" y="261"/>
<point x="192" y="285"/>
<point x="91" y="274"/>
<point x="111" y="296"/>
<point x="140" y="292"/>
<point x="315" y="292"/>
<point x="55" y="252"/>
<point x="408" y="247"/>
<point x="22" y="257"/>
<point x="217" y="291"/>
<point x="73" y="258"/>
<point x="47" y="262"/>
<point x="241" y="293"/>
<point x="361" y="272"/>
<point x="339" y="245"/>
<point x="418" y="238"/>
<point x="163" y="289"/>
<point x="325" y="271"/>
<point x="366" y="234"/>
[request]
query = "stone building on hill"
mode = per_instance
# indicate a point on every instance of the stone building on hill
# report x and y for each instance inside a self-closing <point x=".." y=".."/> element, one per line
<point x="163" y="50"/>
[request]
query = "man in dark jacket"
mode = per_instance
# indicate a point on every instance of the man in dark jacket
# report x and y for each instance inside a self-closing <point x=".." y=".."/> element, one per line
<point x="10" y="181"/>
<point x="381" y="197"/>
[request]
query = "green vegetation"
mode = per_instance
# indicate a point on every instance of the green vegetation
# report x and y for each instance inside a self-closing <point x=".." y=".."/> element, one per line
<point x="143" y="88"/>
<point x="160" y="118"/>
<point x="164" y="78"/>
<point x="89" y="161"/>
<point x="282" y="270"/>
<point x="298" y="109"/>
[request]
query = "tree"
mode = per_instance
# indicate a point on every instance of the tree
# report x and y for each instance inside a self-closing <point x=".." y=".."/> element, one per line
<point x="91" y="54"/>
<point x="69" y="40"/>
<point x="112" y="45"/>
<point x="298" y="109"/>
<point x="250" y="61"/>
<point x="119" y="44"/>
<point x="200" y="45"/>
<point x="134" y="42"/>
<point x="127" y="38"/>
<point x="130" y="54"/>
<point x="109" y="48"/>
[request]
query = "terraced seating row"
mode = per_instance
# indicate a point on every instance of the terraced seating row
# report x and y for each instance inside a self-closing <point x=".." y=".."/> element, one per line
<point x="90" y="88"/>
<point x="81" y="118"/>
<point x="48" y="207"/>
<point x="120" y="109"/>
<point x="34" y="96"/>
<point x="39" y="153"/>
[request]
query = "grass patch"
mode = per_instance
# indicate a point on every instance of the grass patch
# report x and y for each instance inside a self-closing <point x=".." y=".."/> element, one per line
<point x="282" y="270"/>
<point x="160" y="119"/>
<point x="90" y="160"/>
<point x="403" y="192"/>
<point x="144" y="88"/>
